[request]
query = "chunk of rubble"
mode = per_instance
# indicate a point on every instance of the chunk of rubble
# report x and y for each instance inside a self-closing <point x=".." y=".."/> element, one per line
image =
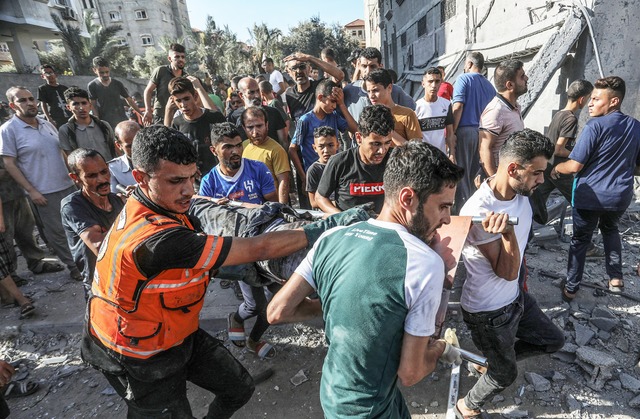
<point x="599" y="365"/>
<point x="623" y="345"/>
<point x="629" y="382"/>
<point x="635" y="402"/>
<point x="601" y="311"/>
<point x="513" y="413"/>
<point x="538" y="382"/>
<point x="583" y="334"/>
<point x="299" y="378"/>
<point x="572" y="404"/>
<point x="604" y="323"/>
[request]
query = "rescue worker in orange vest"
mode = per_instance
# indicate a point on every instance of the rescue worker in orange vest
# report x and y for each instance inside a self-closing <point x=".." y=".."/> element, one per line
<point x="149" y="285"/>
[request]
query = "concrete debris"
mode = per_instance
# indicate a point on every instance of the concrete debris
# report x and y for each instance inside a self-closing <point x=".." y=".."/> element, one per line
<point x="604" y="323"/>
<point x="299" y="378"/>
<point x="557" y="376"/>
<point x="517" y="401"/>
<point x="629" y="382"/>
<point x="615" y="384"/>
<point x="67" y="370"/>
<point x="605" y="336"/>
<point x="498" y="398"/>
<point x="623" y="345"/>
<point x="599" y="365"/>
<point x="600" y="311"/>
<point x="583" y="334"/>
<point x="54" y="360"/>
<point x="538" y="382"/>
<point x="572" y="404"/>
<point x="635" y="402"/>
<point x="513" y="413"/>
<point x="587" y="306"/>
<point x="434" y="404"/>
<point x="414" y="404"/>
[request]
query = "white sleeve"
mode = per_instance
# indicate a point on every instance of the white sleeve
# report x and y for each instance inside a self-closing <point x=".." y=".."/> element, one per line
<point x="423" y="290"/>
<point x="305" y="269"/>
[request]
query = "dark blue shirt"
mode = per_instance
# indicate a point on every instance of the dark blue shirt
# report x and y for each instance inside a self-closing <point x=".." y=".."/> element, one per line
<point x="609" y="149"/>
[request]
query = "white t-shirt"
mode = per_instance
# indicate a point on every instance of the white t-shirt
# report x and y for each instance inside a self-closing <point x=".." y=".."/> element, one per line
<point x="434" y="117"/>
<point x="275" y="78"/>
<point x="483" y="290"/>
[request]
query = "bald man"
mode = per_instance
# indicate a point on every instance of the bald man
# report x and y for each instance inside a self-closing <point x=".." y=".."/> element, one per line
<point x="120" y="167"/>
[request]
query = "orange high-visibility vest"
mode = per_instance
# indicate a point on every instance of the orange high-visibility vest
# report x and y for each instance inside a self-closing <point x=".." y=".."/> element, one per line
<point x="138" y="316"/>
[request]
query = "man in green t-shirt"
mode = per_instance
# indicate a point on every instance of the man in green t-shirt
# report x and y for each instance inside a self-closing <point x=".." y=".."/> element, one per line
<point x="379" y="304"/>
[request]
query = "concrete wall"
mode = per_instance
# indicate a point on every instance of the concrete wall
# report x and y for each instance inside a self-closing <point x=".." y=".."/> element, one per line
<point x="32" y="81"/>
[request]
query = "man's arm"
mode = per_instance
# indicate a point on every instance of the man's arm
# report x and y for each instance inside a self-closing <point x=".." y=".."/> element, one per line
<point x="45" y="111"/>
<point x="147" y="118"/>
<point x="291" y="305"/>
<point x="283" y="187"/>
<point x="418" y="358"/>
<point x="457" y="114"/>
<point x="561" y="147"/>
<point x="397" y="139"/>
<point x="93" y="237"/>
<point x="325" y="204"/>
<point x="295" y="159"/>
<point x="204" y="96"/>
<point x="451" y="141"/>
<point x="283" y="133"/>
<point x="169" y="111"/>
<point x="569" y="167"/>
<point x="325" y="66"/>
<point x="271" y="196"/>
<point x="132" y="103"/>
<point x="283" y="88"/>
<point x="487" y="159"/>
<point x="94" y="108"/>
<point x="271" y="245"/>
<point x="18" y="176"/>
<point x="504" y="253"/>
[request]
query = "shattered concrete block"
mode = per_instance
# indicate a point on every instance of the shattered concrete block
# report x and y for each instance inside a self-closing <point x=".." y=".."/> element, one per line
<point x="599" y="365"/>
<point x="629" y="382"/>
<point x="513" y="413"/>
<point x="601" y="311"/>
<point x="572" y="404"/>
<point x="558" y="376"/>
<point x="635" y="402"/>
<point x="604" y="323"/>
<point x="299" y="378"/>
<point x="538" y="382"/>
<point x="497" y="399"/>
<point x="583" y="334"/>
<point x="623" y="345"/>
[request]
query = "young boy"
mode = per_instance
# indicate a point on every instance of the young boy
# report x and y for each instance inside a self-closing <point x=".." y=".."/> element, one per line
<point x="51" y="97"/>
<point x="325" y="144"/>
<point x="328" y="97"/>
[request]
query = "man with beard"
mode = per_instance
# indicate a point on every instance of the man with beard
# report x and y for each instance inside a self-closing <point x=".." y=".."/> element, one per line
<point x="502" y="115"/>
<point x="261" y="147"/>
<point x="159" y="83"/>
<point x="236" y="178"/>
<point x="379" y="307"/>
<point x="249" y="91"/>
<point x="505" y="321"/>
<point x="106" y="94"/>
<point x="87" y="214"/>
<point x="33" y="157"/>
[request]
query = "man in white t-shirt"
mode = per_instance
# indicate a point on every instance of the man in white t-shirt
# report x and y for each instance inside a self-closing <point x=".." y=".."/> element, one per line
<point x="505" y="321"/>
<point x="275" y="77"/>
<point x="435" y="115"/>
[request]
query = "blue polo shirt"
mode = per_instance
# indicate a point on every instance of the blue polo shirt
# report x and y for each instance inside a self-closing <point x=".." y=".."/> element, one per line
<point x="609" y="149"/>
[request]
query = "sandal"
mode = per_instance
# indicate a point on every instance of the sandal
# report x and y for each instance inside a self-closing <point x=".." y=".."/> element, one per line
<point x="616" y="288"/>
<point x="47" y="267"/>
<point x="235" y="332"/>
<point x="20" y="389"/>
<point x="568" y="296"/>
<point x="263" y="349"/>
<point x="26" y="310"/>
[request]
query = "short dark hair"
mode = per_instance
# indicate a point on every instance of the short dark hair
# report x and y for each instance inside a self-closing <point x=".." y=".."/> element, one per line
<point x="75" y="91"/>
<point x="393" y="75"/>
<point x="79" y="155"/>
<point x="524" y="146"/>
<point x="175" y="47"/>
<point x="268" y="60"/>
<point x="221" y="130"/>
<point x="370" y="53"/>
<point x="49" y="66"/>
<point x="265" y="86"/>
<point x="579" y="88"/>
<point x="433" y="70"/>
<point x="614" y="84"/>
<point x="329" y="53"/>
<point x="324" y="131"/>
<point x="420" y="166"/>
<point x="476" y="58"/>
<point x="157" y="142"/>
<point x="181" y="84"/>
<point x="506" y="71"/>
<point x="100" y="62"/>
<point x="379" y="76"/>
<point x="441" y="69"/>
<point x="325" y="87"/>
<point x="254" y="111"/>
<point x="377" y="119"/>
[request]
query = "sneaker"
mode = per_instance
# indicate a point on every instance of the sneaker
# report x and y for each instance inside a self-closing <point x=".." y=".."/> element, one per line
<point x="75" y="274"/>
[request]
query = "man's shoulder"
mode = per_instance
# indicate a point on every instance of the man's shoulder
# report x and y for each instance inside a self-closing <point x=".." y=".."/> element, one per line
<point x="73" y="200"/>
<point x="212" y="116"/>
<point x="254" y="165"/>
<point x="346" y="156"/>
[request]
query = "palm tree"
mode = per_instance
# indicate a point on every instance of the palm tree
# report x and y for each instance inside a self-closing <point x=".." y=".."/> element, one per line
<point x="265" y="42"/>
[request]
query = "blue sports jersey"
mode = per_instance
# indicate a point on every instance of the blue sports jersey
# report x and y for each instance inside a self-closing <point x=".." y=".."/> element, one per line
<point x="250" y="184"/>
<point x="303" y="136"/>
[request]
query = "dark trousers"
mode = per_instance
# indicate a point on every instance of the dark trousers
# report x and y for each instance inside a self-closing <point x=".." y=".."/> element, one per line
<point x="255" y="304"/>
<point x="210" y="366"/>
<point x="538" y="199"/>
<point x="584" y="224"/>
<point x="505" y="336"/>
<point x="20" y="223"/>
<point x="468" y="157"/>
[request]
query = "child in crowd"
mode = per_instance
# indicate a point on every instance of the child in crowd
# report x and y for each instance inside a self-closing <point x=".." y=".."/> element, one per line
<point x="328" y="97"/>
<point x="325" y="144"/>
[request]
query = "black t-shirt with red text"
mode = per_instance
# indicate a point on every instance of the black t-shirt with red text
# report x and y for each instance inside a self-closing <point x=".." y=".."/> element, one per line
<point x="353" y="182"/>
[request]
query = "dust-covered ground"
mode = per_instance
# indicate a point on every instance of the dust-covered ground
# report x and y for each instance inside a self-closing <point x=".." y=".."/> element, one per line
<point x="596" y="375"/>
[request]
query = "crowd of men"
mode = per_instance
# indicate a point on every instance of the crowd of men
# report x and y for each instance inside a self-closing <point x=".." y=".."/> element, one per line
<point x="111" y="194"/>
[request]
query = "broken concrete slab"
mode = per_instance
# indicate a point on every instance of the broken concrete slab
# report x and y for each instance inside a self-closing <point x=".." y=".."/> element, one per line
<point x="600" y="311"/>
<point x="538" y="382"/>
<point x="597" y="364"/>
<point x="513" y="413"/>
<point x="635" y="402"/>
<point x="629" y="382"/>
<point x="604" y="323"/>
<point x="572" y="404"/>
<point x="583" y="334"/>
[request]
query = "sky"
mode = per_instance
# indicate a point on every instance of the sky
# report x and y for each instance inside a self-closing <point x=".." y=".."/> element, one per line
<point x="240" y="15"/>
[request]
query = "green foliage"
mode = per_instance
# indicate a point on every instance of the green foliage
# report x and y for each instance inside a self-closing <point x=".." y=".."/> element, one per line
<point x="57" y="57"/>
<point x="101" y="42"/>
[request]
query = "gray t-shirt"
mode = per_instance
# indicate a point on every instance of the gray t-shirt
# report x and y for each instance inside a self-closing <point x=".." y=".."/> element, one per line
<point x="87" y="136"/>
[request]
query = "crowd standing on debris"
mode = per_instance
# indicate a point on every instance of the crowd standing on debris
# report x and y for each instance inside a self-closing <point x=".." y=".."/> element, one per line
<point x="110" y="193"/>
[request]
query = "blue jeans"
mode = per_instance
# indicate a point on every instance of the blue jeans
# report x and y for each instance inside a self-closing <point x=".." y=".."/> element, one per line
<point x="584" y="224"/>
<point x="150" y="393"/>
<point x="504" y="336"/>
